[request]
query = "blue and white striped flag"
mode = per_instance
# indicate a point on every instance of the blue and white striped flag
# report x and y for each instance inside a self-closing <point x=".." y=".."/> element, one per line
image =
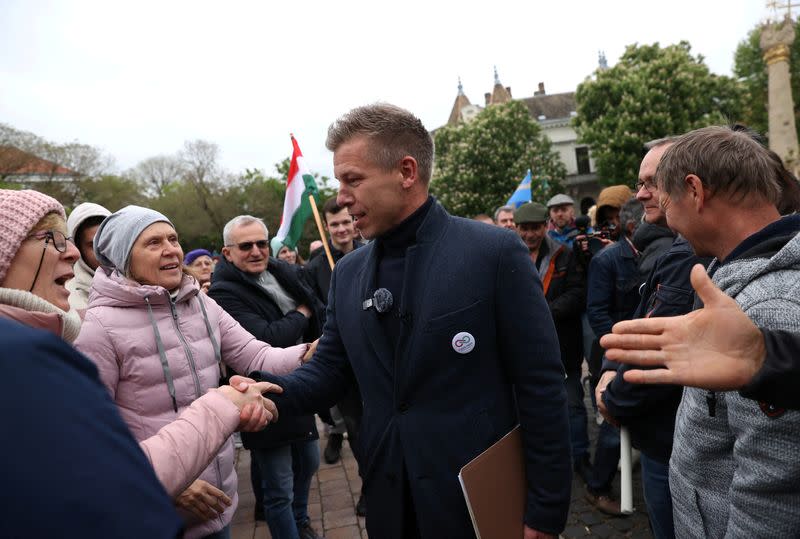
<point x="523" y="192"/>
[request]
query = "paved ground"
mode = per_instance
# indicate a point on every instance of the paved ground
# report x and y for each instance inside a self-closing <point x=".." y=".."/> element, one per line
<point x="335" y="488"/>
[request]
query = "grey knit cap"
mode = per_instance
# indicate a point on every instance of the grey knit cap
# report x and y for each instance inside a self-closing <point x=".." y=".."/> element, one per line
<point x="118" y="232"/>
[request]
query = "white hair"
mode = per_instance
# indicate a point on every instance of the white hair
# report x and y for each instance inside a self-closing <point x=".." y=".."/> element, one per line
<point x="240" y="220"/>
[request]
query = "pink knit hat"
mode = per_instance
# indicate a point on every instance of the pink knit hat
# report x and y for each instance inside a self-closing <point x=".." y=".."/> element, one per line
<point x="19" y="213"/>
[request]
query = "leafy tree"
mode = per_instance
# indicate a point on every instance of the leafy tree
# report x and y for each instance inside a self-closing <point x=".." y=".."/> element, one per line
<point x="479" y="164"/>
<point x="652" y="92"/>
<point x="750" y="68"/>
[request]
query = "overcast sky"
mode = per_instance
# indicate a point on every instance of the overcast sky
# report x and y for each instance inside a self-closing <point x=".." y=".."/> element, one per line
<point x="137" y="79"/>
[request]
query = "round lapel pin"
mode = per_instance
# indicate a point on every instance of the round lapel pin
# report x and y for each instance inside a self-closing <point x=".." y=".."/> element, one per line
<point x="463" y="342"/>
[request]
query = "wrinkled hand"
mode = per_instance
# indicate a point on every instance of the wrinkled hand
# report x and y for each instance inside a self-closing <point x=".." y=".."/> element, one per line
<point x="203" y="500"/>
<point x="310" y="352"/>
<point x="602" y="384"/>
<point x="204" y="287"/>
<point x="255" y="412"/>
<point x="716" y="348"/>
<point x="530" y="533"/>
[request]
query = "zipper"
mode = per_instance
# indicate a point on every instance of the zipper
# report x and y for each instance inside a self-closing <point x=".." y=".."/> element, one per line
<point x="192" y="367"/>
<point x="197" y="389"/>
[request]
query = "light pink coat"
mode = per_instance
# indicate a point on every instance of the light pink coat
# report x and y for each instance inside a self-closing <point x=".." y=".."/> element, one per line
<point x="117" y="334"/>
<point x="180" y="450"/>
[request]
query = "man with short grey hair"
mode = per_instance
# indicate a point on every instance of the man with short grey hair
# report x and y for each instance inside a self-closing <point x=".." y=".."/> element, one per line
<point x="734" y="469"/>
<point x="268" y="297"/>
<point x="504" y="217"/>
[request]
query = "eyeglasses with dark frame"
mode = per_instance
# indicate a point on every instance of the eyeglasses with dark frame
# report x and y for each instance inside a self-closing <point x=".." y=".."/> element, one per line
<point x="649" y="185"/>
<point x="56" y="236"/>
<point x="248" y="245"/>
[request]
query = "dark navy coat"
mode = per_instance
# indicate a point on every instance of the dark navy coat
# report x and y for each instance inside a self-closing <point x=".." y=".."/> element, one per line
<point x="433" y="410"/>
<point x="250" y="305"/>
<point x="70" y="466"/>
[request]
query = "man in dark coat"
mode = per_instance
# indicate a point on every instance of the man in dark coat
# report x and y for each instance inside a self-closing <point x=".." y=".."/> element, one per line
<point x="70" y="465"/>
<point x="564" y="283"/>
<point x="346" y="414"/>
<point x="448" y="335"/>
<point x="269" y="299"/>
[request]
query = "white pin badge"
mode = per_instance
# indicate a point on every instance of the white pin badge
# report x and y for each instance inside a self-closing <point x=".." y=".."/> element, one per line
<point x="463" y="342"/>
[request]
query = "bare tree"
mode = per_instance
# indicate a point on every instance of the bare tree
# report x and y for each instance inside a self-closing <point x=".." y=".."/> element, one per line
<point x="202" y="172"/>
<point x="158" y="172"/>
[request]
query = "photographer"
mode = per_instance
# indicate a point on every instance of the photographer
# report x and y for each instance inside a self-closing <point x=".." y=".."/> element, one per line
<point x="612" y="295"/>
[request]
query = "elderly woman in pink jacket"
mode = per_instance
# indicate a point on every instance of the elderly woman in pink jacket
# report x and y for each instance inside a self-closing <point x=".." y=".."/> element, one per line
<point x="159" y="344"/>
<point x="36" y="260"/>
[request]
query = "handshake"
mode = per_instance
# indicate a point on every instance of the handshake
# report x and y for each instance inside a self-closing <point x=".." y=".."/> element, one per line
<point x="255" y="412"/>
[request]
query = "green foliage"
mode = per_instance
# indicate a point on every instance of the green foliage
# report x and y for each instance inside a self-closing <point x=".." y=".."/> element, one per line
<point x="652" y="92"/>
<point x="479" y="164"/>
<point x="750" y="68"/>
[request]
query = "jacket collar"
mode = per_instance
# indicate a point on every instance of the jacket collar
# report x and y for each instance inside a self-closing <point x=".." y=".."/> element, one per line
<point x="115" y="290"/>
<point x="33" y="311"/>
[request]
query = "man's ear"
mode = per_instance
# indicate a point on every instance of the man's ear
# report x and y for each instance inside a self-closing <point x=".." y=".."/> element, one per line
<point x="409" y="170"/>
<point x="696" y="190"/>
<point x="226" y="252"/>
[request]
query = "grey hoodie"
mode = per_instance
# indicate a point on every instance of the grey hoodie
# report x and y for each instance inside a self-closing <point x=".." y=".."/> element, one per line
<point x="738" y="474"/>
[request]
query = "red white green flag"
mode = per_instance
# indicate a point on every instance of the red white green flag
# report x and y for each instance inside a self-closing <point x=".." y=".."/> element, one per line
<point x="296" y="205"/>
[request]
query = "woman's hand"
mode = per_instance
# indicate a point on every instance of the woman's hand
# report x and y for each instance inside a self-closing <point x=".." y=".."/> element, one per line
<point x="255" y="412"/>
<point x="203" y="500"/>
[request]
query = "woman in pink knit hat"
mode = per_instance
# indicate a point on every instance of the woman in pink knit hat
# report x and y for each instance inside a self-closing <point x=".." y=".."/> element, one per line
<point x="36" y="260"/>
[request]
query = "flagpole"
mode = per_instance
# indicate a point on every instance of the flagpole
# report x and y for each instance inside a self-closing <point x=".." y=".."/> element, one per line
<point x="322" y="234"/>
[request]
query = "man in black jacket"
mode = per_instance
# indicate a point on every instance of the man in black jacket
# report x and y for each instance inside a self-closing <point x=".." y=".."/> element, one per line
<point x="564" y="284"/>
<point x="339" y="224"/>
<point x="649" y="412"/>
<point x="270" y="300"/>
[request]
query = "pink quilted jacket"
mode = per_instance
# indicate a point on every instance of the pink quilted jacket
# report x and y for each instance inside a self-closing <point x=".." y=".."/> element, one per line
<point x="156" y="355"/>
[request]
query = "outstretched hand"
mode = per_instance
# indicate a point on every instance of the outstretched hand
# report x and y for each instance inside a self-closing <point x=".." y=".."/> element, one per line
<point x="717" y="347"/>
<point x="255" y="412"/>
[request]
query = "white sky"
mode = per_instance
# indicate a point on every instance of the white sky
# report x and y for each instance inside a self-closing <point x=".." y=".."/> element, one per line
<point x="137" y="79"/>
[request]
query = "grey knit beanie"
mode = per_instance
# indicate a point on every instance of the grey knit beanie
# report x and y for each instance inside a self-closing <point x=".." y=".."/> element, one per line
<point x="118" y="232"/>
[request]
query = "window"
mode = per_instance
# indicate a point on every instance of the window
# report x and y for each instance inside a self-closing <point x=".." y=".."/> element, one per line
<point x="582" y="158"/>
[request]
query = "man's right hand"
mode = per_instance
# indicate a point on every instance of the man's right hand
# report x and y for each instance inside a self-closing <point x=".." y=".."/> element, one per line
<point x="717" y="347"/>
<point x="203" y="500"/>
<point x="305" y="311"/>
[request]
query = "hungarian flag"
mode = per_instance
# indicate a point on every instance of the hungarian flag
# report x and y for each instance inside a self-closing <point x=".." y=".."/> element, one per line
<point x="296" y="205"/>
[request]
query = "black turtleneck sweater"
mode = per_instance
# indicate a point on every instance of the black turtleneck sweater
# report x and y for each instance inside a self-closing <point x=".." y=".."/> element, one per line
<point x="392" y="248"/>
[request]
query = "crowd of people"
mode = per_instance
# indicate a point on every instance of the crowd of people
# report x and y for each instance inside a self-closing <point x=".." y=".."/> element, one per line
<point x="421" y="336"/>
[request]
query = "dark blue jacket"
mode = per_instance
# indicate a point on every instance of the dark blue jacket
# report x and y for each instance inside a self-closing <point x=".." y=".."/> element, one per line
<point x="612" y="290"/>
<point x="649" y="410"/>
<point x="250" y="305"/>
<point x="71" y="468"/>
<point x="433" y="410"/>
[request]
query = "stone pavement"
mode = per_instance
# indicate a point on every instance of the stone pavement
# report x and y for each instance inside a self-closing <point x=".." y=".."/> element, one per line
<point x="335" y="489"/>
<point x="331" y="505"/>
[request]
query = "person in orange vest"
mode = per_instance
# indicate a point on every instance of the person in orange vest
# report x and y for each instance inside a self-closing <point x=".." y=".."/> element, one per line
<point x="564" y="283"/>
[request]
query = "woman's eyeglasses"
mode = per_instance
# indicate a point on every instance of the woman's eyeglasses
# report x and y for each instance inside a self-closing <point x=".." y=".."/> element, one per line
<point x="58" y="238"/>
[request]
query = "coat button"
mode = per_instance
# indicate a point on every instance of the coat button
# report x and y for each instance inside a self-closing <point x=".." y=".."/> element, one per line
<point x="403" y="408"/>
